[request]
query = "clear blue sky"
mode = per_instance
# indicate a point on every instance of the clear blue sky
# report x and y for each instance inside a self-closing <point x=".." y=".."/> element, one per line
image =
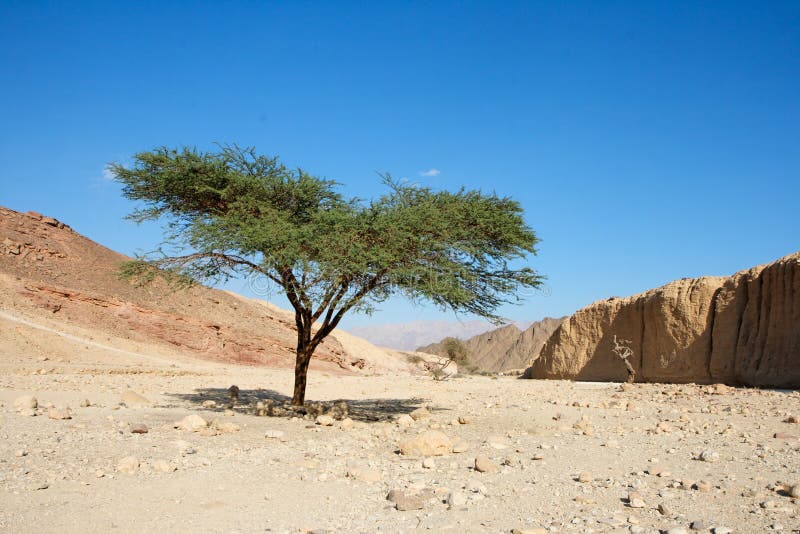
<point x="647" y="141"/>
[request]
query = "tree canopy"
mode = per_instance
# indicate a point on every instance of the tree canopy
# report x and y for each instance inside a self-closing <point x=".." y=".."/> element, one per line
<point x="233" y="212"/>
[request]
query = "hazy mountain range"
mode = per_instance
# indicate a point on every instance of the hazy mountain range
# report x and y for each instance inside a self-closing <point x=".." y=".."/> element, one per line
<point x="409" y="336"/>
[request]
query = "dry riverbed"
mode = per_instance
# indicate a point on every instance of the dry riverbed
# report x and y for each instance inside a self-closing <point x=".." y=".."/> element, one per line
<point x="100" y="452"/>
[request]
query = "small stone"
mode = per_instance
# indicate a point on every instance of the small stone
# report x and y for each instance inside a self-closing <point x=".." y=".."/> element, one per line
<point x="209" y="404"/>
<point x="128" y="465"/>
<point x="784" y="435"/>
<point x="325" y="420"/>
<point x="192" y="423"/>
<point x="637" y="503"/>
<point x="420" y="413"/>
<point x="20" y="453"/>
<point x="460" y="446"/>
<point x="456" y="499"/>
<point x="463" y="420"/>
<point x="428" y="463"/>
<point x="404" y="502"/>
<point x="585" y="477"/>
<point x="59" y="413"/>
<point x="363" y="474"/>
<point x="85" y="403"/>
<point x="346" y="424"/>
<point x="430" y="443"/>
<point x="698" y="525"/>
<point x="708" y="456"/>
<point x="721" y="530"/>
<point x="26" y="402"/>
<point x="485" y="465"/>
<point x="139" y="428"/>
<point x="474" y="486"/>
<point x="676" y="530"/>
<point x="663" y="509"/>
<point x="794" y="491"/>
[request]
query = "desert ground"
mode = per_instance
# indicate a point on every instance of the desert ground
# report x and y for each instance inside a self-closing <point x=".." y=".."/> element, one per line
<point x="554" y="456"/>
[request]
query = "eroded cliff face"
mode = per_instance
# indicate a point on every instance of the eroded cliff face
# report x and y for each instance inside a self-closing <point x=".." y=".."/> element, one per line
<point x="744" y="329"/>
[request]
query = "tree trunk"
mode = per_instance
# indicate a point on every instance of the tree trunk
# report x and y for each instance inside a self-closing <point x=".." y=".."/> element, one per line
<point x="304" y="353"/>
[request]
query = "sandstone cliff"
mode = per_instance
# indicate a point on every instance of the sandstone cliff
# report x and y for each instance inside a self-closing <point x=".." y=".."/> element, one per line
<point x="744" y="329"/>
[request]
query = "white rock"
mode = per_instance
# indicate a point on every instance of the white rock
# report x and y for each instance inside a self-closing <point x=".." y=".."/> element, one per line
<point x="26" y="402"/>
<point x="128" y="465"/>
<point x="325" y="420"/>
<point x="428" y="463"/>
<point x="708" y="456"/>
<point x="456" y="498"/>
<point x="192" y="423"/>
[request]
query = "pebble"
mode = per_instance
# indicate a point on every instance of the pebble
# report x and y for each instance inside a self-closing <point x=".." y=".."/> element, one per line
<point x="405" y="420"/>
<point x="676" y="530"/>
<point x="584" y="477"/>
<point x="131" y="398"/>
<point x="26" y="402"/>
<point x="485" y="465"/>
<point x="428" y="463"/>
<point x="708" y="456"/>
<point x="721" y="530"/>
<point x="325" y="420"/>
<point x="430" y="443"/>
<point x="404" y="502"/>
<point x="139" y="428"/>
<point x="59" y="413"/>
<point x="455" y="499"/>
<point x="162" y="466"/>
<point x="794" y="491"/>
<point x="346" y="424"/>
<point x="209" y="404"/>
<point x="663" y="509"/>
<point x="191" y="423"/>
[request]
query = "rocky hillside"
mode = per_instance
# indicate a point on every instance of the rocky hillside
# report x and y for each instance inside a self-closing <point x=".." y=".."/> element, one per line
<point x="743" y="329"/>
<point x="505" y="348"/>
<point x="48" y="272"/>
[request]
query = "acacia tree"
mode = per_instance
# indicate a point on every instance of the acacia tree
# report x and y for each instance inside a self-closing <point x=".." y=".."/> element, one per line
<point x="233" y="212"/>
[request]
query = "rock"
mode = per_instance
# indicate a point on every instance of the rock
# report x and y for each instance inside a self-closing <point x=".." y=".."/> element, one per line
<point x="676" y="530"/>
<point x="485" y="465"/>
<point x="364" y="474"/>
<point x="275" y="434"/>
<point x="26" y="402"/>
<point x="138" y="428"/>
<point x="463" y="420"/>
<point x="430" y="443"/>
<point x="456" y="499"/>
<point x="428" y="463"/>
<point x="85" y="403"/>
<point x="784" y="435"/>
<point x="225" y="428"/>
<point x="637" y="503"/>
<point x="404" y="501"/>
<point x="721" y="530"/>
<point x="325" y="420"/>
<point x="794" y="491"/>
<point x="663" y="509"/>
<point x="59" y="413"/>
<point x="708" y="456"/>
<point x="131" y="398"/>
<point x="584" y="477"/>
<point x="702" y="486"/>
<point x="128" y="465"/>
<point x="346" y="424"/>
<point x="405" y="420"/>
<point x="209" y="404"/>
<point x="698" y="525"/>
<point x="420" y="413"/>
<point x="529" y="531"/>
<point x="672" y="328"/>
<point x="191" y="423"/>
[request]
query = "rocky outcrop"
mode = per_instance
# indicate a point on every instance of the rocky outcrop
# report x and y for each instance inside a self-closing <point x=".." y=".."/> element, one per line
<point x="503" y="349"/>
<point x="744" y="330"/>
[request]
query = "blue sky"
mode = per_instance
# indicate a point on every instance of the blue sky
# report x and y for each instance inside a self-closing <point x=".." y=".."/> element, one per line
<point x="646" y="141"/>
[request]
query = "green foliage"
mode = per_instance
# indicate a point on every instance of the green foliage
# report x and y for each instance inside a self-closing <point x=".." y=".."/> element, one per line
<point x="141" y="272"/>
<point x="456" y="350"/>
<point x="233" y="212"/>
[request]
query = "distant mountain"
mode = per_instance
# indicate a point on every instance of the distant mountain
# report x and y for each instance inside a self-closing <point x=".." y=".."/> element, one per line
<point x="504" y="348"/>
<point x="408" y="336"/>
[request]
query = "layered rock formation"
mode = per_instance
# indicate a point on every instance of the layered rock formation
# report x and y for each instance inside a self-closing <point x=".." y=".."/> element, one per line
<point x="744" y="329"/>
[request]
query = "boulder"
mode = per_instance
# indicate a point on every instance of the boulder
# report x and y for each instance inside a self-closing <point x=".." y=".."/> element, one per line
<point x="430" y="443"/>
<point x="192" y="423"/>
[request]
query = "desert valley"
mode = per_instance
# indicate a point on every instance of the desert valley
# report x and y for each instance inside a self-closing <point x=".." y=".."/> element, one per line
<point x="117" y="414"/>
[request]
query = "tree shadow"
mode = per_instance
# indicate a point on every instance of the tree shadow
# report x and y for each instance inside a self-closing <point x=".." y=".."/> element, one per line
<point x="365" y="410"/>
